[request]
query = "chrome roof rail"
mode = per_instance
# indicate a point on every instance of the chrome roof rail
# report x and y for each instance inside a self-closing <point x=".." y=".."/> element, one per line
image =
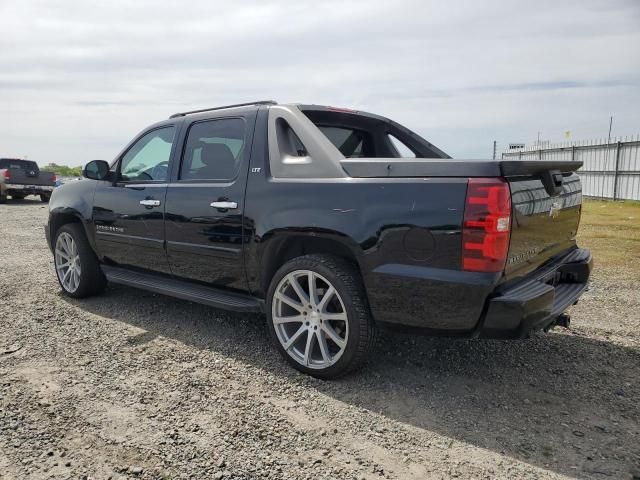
<point x="260" y="102"/>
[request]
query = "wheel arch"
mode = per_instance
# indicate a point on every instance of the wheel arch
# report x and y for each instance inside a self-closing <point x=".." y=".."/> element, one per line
<point x="282" y="247"/>
<point x="64" y="216"/>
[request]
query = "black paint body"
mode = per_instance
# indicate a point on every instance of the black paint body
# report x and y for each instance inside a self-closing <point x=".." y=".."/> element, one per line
<point x="404" y="233"/>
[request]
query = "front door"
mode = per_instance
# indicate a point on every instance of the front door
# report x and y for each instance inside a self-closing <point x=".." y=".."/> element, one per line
<point x="204" y="205"/>
<point x="128" y="213"/>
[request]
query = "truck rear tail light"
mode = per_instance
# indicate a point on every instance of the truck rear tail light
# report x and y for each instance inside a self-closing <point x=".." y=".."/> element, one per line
<point x="54" y="178"/>
<point x="487" y="225"/>
<point x="6" y="175"/>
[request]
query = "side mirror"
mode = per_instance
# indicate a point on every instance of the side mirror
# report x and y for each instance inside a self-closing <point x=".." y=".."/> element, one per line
<point x="96" y="170"/>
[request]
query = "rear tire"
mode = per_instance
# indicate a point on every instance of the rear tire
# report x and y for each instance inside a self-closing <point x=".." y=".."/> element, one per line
<point x="327" y="334"/>
<point x="45" y="198"/>
<point x="76" y="265"/>
<point x="3" y="198"/>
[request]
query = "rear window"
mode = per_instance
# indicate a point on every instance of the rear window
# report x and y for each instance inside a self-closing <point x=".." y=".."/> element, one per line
<point x="351" y="142"/>
<point x="358" y="134"/>
<point x="18" y="164"/>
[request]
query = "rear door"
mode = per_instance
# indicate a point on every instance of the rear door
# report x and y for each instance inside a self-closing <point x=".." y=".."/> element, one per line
<point x="128" y="213"/>
<point x="205" y="201"/>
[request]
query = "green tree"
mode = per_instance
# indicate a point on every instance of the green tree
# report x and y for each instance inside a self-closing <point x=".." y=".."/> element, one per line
<point x="63" y="170"/>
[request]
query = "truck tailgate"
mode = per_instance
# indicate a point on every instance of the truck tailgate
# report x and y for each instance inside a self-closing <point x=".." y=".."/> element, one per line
<point x="19" y="176"/>
<point x="544" y="223"/>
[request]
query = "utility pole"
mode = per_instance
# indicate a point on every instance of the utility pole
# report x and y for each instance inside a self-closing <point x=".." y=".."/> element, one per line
<point x="606" y="162"/>
<point x="494" y="149"/>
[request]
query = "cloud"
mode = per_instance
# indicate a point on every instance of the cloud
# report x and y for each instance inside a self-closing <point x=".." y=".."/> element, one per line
<point x="79" y="79"/>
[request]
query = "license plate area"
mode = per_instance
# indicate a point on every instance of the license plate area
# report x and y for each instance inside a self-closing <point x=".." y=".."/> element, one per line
<point x="559" y="276"/>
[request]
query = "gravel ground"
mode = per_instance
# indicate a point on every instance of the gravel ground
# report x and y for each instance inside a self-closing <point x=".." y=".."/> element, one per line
<point x="136" y="385"/>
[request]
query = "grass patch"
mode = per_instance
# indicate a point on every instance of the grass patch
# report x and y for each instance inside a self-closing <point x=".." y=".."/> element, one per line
<point x="611" y="230"/>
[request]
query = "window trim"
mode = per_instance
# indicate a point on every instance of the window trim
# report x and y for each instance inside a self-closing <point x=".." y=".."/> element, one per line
<point x="239" y="160"/>
<point x="118" y="162"/>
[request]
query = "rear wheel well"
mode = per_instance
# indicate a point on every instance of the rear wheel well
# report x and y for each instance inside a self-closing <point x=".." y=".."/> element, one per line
<point x="291" y="247"/>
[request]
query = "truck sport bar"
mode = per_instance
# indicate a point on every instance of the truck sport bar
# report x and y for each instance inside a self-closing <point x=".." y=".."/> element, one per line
<point x="260" y="102"/>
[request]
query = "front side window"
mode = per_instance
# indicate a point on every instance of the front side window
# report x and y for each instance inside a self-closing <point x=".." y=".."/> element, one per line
<point x="148" y="158"/>
<point x="213" y="150"/>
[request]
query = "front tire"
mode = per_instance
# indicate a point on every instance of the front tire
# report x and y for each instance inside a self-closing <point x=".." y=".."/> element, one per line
<point x="318" y="316"/>
<point x="76" y="265"/>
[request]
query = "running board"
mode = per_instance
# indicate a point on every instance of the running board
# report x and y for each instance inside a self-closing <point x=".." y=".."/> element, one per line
<point x="185" y="290"/>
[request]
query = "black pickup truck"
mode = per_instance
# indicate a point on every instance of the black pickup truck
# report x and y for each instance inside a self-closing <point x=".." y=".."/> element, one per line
<point x="332" y="222"/>
<point x="19" y="178"/>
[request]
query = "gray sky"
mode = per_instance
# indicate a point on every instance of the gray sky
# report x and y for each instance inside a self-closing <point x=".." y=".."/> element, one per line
<point x="78" y="80"/>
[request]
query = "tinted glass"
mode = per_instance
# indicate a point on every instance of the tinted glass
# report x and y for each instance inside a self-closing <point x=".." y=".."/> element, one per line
<point x="338" y="125"/>
<point x="148" y="158"/>
<point x="213" y="150"/>
<point x="350" y="142"/>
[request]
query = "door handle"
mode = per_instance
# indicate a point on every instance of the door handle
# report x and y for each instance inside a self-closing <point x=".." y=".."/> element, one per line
<point x="226" y="205"/>
<point x="150" y="203"/>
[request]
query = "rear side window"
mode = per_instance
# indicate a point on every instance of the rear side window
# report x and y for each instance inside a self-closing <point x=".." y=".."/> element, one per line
<point x="213" y="150"/>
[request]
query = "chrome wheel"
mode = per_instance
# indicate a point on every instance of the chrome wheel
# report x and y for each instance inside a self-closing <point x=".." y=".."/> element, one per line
<point x="67" y="261"/>
<point x="310" y="319"/>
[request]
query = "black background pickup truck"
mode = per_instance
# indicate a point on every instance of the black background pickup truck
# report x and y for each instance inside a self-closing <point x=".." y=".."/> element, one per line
<point x="19" y="178"/>
<point x="330" y="221"/>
